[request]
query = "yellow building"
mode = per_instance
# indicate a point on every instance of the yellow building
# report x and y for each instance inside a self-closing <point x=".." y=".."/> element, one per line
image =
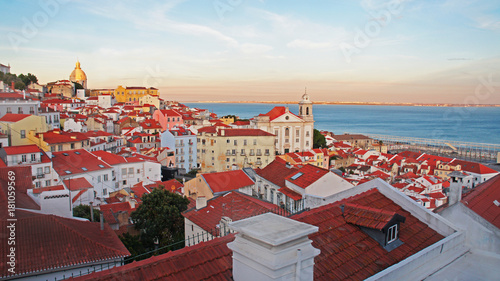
<point x="78" y="76"/>
<point x="230" y="149"/>
<point x="133" y="93"/>
<point x="18" y="126"/>
<point x="227" y="119"/>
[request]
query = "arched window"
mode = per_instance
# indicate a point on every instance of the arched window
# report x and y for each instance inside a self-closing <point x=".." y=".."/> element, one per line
<point x="287" y="132"/>
<point x="307" y="110"/>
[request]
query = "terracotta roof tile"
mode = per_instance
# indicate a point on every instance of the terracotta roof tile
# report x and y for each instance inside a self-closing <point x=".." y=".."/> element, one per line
<point x="481" y="200"/>
<point x="276" y="172"/>
<point x="234" y="205"/>
<point x="51" y="242"/>
<point x="11" y="117"/>
<point x="22" y="149"/>
<point x="226" y="181"/>
<point x="306" y="175"/>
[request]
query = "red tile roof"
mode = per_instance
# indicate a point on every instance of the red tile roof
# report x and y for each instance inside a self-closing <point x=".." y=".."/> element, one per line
<point x="11" y="117"/>
<point x="227" y="181"/>
<point x="170" y="112"/>
<point x="277" y="171"/>
<point x="48" y="242"/>
<point x="77" y="184"/>
<point x="75" y="160"/>
<point x="48" y="188"/>
<point x="22" y="149"/>
<point x="204" y="261"/>
<point x="108" y="210"/>
<point x="276" y="112"/>
<point x="346" y="251"/>
<point x="473" y="167"/>
<point x="23" y="182"/>
<point x="349" y="253"/>
<point x="481" y="200"/>
<point x="113" y="159"/>
<point x="367" y="216"/>
<point x="244" y="132"/>
<point x="290" y="193"/>
<point x="58" y="136"/>
<point x="310" y="174"/>
<point x="234" y="205"/>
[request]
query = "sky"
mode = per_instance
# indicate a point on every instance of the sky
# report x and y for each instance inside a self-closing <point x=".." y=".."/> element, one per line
<point x="263" y="50"/>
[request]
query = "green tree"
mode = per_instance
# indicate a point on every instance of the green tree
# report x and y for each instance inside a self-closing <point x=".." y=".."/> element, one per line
<point x="159" y="217"/>
<point x="28" y="78"/>
<point x="83" y="211"/>
<point x="133" y="244"/>
<point x="318" y="140"/>
<point x="19" y="85"/>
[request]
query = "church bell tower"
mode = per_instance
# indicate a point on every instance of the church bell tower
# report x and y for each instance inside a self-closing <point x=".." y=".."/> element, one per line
<point x="305" y="108"/>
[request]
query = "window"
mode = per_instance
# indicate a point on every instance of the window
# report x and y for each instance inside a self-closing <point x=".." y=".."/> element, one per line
<point x="23" y="134"/>
<point x="254" y="141"/>
<point x="287" y="132"/>
<point x="242" y="152"/>
<point x="47" y="183"/>
<point x="235" y="142"/>
<point x="124" y="182"/>
<point x="23" y="158"/>
<point x="33" y="157"/>
<point x="99" y="178"/>
<point x="39" y="171"/>
<point x="37" y="184"/>
<point x="392" y="233"/>
<point x="47" y="170"/>
<point x="124" y="171"/>
<point x="297" y="132"/>
<point x="20" y="110"/>
<point x="244" y="142"/>
<point x="105" y="177"/>
<point x="131" y="171"/>
<point x="59" y="147"/>
<point x="104" y="191"/>
<point x="138" y="171"/>
<point x="307" y="134"/>
<point x="9" y="110"/>
<point x="267" y="151"/>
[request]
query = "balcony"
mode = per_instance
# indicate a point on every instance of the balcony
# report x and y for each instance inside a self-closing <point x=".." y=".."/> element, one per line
<point x="190" y="143"/>
<point x="252" y="153"/>
<point x="258" y="163"/>
<point x="179" y="144"/>
<point x="259" y="153"/>
<point x="40" y="176"/>
<point x="266" y="154"/>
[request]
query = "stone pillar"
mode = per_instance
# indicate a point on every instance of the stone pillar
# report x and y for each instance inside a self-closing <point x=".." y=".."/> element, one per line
<point x="272" y="247"/>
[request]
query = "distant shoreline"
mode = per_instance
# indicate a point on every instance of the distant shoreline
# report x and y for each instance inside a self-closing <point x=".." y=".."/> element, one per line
<point x="358" y="103"/>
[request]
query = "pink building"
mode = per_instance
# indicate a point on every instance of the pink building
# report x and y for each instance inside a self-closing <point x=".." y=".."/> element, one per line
<point x="168" y="118"/>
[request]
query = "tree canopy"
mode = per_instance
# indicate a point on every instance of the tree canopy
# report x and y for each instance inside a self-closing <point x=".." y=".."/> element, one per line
<point x="20" y="82"/>
<point x="318" y="140"/>
<point x="159" y="217"/>
<point x="83" y="211"/>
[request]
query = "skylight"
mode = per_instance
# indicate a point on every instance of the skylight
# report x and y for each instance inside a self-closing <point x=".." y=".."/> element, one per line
<point x="68" y="172"/>
<point x="85" y="169"/>
<point x="65" y="154"/>
<point x="296" y="176"/>
<point x="77" y="152"/>
<point x="102" y="166"/>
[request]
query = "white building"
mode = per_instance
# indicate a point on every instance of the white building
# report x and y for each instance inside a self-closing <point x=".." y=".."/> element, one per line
<point x="293" y="133"/>
<point x="128" y="171"/>
<point x="185" y="145"/>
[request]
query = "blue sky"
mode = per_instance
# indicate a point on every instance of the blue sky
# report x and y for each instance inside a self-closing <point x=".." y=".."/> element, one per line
<point x="370" y="50"/>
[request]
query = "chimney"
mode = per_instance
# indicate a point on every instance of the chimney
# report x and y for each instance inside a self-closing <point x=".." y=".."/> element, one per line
<point x="456" y="183"/>
<point x="91" y="212"/>
<point x="102" y="222"/>
<point x="272" y="247"/>
<point x="201" y="202"/>
<point x="12" y="87"/>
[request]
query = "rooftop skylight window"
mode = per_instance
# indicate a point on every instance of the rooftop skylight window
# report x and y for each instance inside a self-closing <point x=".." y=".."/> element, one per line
<point x="296" y="176"/>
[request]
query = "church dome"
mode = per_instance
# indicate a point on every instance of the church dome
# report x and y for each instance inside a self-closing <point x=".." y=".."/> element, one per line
<point x="77" y="74"/>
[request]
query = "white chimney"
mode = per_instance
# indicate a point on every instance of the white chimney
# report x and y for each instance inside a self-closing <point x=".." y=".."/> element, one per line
<point x="456" y="183"/>
<point x="201" y="202"/>
<point x="272" y="247"/>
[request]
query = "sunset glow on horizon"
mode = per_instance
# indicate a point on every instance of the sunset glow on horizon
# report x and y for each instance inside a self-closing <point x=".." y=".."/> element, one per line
<point x="359" y="51"/>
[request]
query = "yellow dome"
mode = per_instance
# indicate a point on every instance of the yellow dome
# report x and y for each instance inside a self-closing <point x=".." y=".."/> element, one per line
<point x="78" y="74"/>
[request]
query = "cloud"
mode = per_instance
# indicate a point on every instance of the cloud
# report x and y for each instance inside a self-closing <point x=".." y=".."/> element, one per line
<point x="306" y="44"/>
<point x="249" y="48"/>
